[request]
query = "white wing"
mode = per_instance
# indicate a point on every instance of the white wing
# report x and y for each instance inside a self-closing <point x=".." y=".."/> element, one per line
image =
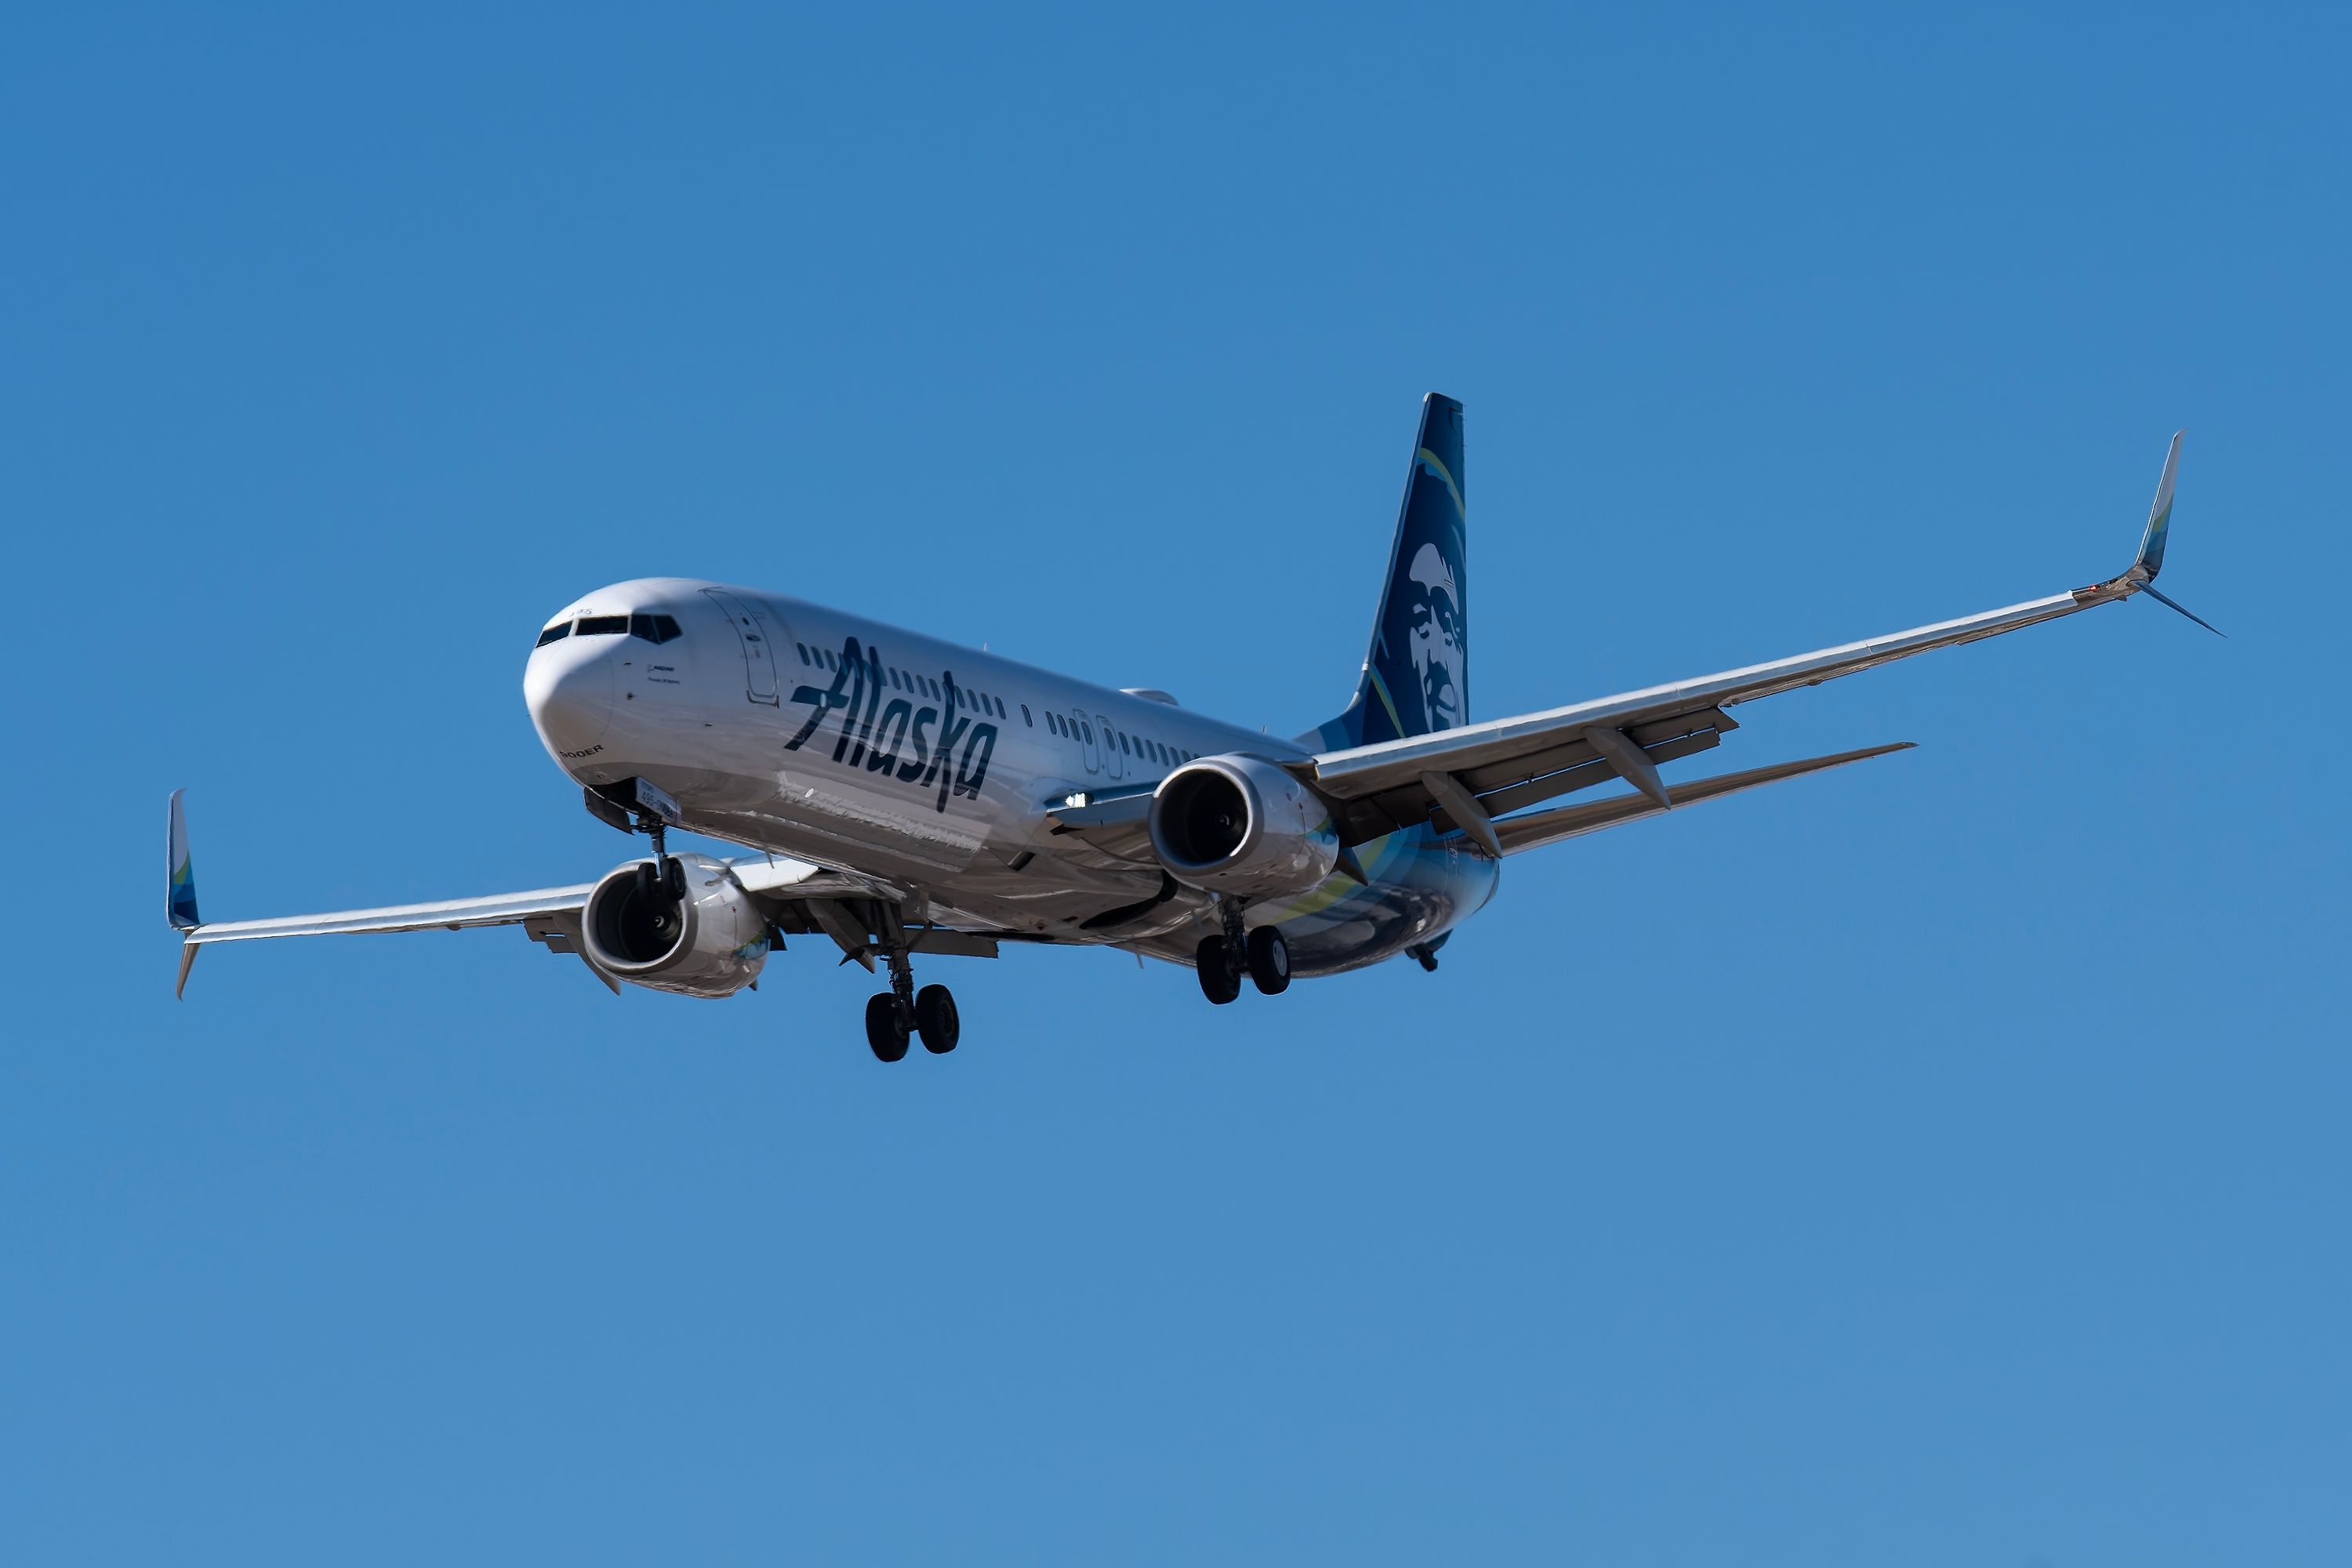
<point x="1456" y="777"/>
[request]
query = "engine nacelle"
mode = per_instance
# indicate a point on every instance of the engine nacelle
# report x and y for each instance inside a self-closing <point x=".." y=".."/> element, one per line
<point x="1241" y="825"/>
<point x="710" y="943"/>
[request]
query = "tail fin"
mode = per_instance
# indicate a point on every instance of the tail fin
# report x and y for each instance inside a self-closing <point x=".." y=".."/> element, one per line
<point x="1417" y="672"/>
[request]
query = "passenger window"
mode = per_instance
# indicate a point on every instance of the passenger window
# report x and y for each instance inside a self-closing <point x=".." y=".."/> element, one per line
<point x="1088" y="731"/>
<point x="1024" y="716"/>
<point x="603" y="625"/>
<point x="559" y="629"/>
<point x="803" y="651"/>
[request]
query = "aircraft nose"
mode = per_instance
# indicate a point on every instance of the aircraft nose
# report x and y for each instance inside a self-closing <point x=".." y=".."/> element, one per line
<point x="569" y="687"/>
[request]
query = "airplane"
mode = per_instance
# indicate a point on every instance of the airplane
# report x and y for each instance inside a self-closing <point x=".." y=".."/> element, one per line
<point x="903" y="797"/>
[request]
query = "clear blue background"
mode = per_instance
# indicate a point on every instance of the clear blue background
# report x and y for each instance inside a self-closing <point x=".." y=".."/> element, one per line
<point x="1942" y="1162"/>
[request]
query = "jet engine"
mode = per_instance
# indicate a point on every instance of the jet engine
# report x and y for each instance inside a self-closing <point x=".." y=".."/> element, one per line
<point x="711" y="943"/>
<point x="1243" y="826"/>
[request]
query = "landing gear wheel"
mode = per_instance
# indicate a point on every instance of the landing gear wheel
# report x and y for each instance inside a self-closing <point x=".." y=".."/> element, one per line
<point x="1269" y="961"/>
<point x="886" y="1027"/>
<point x="1220" y="981"/>
<point x="935" y="1019"/>
<point x="663" y="878"/>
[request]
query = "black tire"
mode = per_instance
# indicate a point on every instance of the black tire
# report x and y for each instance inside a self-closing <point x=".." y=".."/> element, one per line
<point x="644" y="883"/>
<point x="1269" y="961"/>
<point x="936" y="1020"/>
<point x="885" y="1029"/>
<point x="1220" y="981"/>
<point x="674" y="878"/>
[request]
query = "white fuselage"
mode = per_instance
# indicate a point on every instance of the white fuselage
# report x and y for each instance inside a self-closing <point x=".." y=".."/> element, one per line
<point x="930" y="765"/>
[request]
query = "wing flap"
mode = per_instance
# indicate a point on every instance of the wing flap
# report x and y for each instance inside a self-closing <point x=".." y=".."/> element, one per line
<point x="1554" y="770"/>
<point x="1539" y="828"/>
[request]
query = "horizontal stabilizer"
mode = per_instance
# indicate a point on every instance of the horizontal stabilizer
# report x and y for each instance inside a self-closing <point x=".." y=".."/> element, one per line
<point x="1539" y="828"/>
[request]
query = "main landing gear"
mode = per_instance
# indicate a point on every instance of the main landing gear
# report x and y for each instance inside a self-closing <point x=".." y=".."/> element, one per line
<point x="1222" y="961"/>
<point x="902" y="1012"/>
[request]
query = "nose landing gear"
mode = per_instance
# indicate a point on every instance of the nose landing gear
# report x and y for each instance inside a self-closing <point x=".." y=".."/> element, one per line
<point x="662" y="878"/>
<point x="668" y="880"/>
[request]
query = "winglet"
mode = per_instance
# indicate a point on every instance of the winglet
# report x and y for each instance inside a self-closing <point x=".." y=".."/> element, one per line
<point x="2159" y="516"/>
<point x="180" y="893"/>
<point x="180" y="888"/>
<point x="2152" y="543"/>
<point x="2141" y="578"/>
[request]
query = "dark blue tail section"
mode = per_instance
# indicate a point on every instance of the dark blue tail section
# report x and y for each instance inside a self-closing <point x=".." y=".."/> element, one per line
<point x="1417" y="673"/>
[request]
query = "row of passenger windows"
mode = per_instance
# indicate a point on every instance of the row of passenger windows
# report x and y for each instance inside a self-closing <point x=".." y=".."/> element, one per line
<point x="652" y="628"/>
<point x="1067" y="728"/>
<point x="907" y="681"/>
<point x="1150" y="750"/>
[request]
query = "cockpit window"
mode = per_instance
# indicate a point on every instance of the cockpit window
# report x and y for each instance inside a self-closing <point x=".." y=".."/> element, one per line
<point x="654" y="629"/>
<point x="603" y="625"/>
<point x="559" y="629"/>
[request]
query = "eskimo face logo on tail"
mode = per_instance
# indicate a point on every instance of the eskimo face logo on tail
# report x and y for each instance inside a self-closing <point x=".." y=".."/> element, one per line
<point x="1433" y="636"/>
<point x="897" y="742"/>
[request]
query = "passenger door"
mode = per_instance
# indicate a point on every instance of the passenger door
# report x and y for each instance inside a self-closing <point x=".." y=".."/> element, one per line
<point x="1079" y="732"/>
<point x="759" y="650"/>
<point x="1113" y="758"/>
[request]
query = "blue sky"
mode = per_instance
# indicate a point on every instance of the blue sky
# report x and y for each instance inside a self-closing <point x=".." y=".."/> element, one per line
<point x="1940" y="1162"/>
